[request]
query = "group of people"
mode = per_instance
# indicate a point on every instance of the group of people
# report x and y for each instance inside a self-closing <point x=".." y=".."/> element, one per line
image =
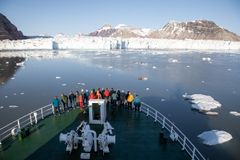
<point x="80" y="99"/>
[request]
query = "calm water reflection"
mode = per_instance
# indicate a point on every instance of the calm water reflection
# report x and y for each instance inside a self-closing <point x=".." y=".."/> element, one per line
<point x="34" y="84"/>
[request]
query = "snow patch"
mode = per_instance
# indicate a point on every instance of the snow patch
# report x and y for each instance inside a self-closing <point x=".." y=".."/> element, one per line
<point x="214" y="137"/>
<point x="20" y="64"/>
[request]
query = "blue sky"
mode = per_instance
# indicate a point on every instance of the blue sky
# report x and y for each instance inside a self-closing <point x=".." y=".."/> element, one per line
<point x="34" y="17"/>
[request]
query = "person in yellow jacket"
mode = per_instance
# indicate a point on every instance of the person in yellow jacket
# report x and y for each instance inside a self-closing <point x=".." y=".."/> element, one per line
<point x="130" y="99"/>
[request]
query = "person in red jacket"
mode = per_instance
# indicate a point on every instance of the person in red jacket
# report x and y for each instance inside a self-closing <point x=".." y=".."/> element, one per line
<point x="92" y="95"/>
<point x="81" y="102"/>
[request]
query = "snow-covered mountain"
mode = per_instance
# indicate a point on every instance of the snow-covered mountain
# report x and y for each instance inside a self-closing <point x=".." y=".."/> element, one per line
<point x="121" y="30"/>
<point x="8" y="30"/>
<point x="196" y="30"/>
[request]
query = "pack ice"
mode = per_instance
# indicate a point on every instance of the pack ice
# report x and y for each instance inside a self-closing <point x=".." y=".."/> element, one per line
<point x="214" y="137"/>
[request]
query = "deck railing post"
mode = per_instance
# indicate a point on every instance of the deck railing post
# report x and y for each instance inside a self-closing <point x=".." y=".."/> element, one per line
<point x="184" y="143"/>
<point x="193" y="153"/>
<point x="53" y="109"/>
<point x="163" y="122"/>
<point x="30" y="118"/>
<point x="19" y="127"/>
<point x="155" y="120"/>
<point x="147" y="111"/>
<point x="42" y="113"/>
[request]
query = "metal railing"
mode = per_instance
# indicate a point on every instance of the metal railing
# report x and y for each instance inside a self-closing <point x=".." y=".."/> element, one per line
<point x="175" y="133"/>
<point x="24" y="121"/>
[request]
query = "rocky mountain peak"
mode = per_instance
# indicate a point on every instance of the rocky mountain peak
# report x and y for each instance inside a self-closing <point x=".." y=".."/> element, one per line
<point x="8" y="30"/>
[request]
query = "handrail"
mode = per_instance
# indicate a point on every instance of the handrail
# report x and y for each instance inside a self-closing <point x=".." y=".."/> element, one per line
<point x="174" y="131"/>
<point x="186" y="144"/>
<point x="25" y="120"/>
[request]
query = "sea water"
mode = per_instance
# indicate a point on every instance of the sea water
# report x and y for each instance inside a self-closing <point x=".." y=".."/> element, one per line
<point x="30" y="79"/>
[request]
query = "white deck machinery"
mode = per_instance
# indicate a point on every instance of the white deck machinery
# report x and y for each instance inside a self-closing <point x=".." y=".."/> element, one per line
<point x="87" y="137"/>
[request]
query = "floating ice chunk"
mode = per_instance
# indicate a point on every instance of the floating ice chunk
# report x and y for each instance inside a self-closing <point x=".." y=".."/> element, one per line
<point x="234" y="113"/>
<point x="143" y="78"/>
<point x="20" y="64"/>
<point x="202" y="102"/>
<point x="13" y="106"/>
<point x="142" y="63"/>
<point x="1" y="107"/>
<point x="110" y="67"/>
<point x="162" y="100"/>
<point x="214" y="137"/>
<point x="22" y="93"/>
<point x="58" y="77"/>
<point x="6" y="96"/>
<point x="64" y="84"/>
<point x="154" y="67"/>
<point x="147" y="89"/>
<point x="188" y="66"/>
<point x="202" y="81"/>
<point x="211" y="113"/>
<point x="229" y="69"/>
<point x="79" y="83"/>
<point x="171" y="60"/>
<point x="14" y="94"/>
<point x="206" y="59"/>
<point x="13" y="78"/>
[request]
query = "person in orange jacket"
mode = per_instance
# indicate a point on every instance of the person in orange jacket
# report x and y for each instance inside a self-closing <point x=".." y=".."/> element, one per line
<point x="130" y="99"/>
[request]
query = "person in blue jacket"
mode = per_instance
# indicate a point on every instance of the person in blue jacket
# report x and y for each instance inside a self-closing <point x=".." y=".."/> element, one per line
<point x="56" y="104"/>
<point x="137" y="103"/>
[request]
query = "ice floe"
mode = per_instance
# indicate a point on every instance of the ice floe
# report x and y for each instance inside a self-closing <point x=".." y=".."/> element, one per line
<point x="142" y="78"/>
<point x="172" y="60"/>
<point x="13" y="106"/>
<point x="64" y="84"/>
<point x="5" y="96"/>
<point x="154" y="67"/>
<point x="147" y="89"/>
<point x="229" y="69"/>
<point x="206" y="59"/>
<point x="20" y="64"/>
<point x="1" y="107"/>
<point x="214" y="137"/>
<point x="22" y="93"/>
<point x="110" y="67"/>
<point x="81" y="83"/>
<point x="58" y="77"/>
<point x="235" y="113"/>
<point x="162" y="100"/>
<point x="203" y="103"/>
<point x="188" y="66"/>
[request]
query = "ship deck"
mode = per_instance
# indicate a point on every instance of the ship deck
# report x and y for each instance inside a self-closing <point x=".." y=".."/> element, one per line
<point x="137" y="137"/>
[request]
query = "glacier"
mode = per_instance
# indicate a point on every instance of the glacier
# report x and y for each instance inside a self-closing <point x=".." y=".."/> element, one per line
<point x="110" y="43"/>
